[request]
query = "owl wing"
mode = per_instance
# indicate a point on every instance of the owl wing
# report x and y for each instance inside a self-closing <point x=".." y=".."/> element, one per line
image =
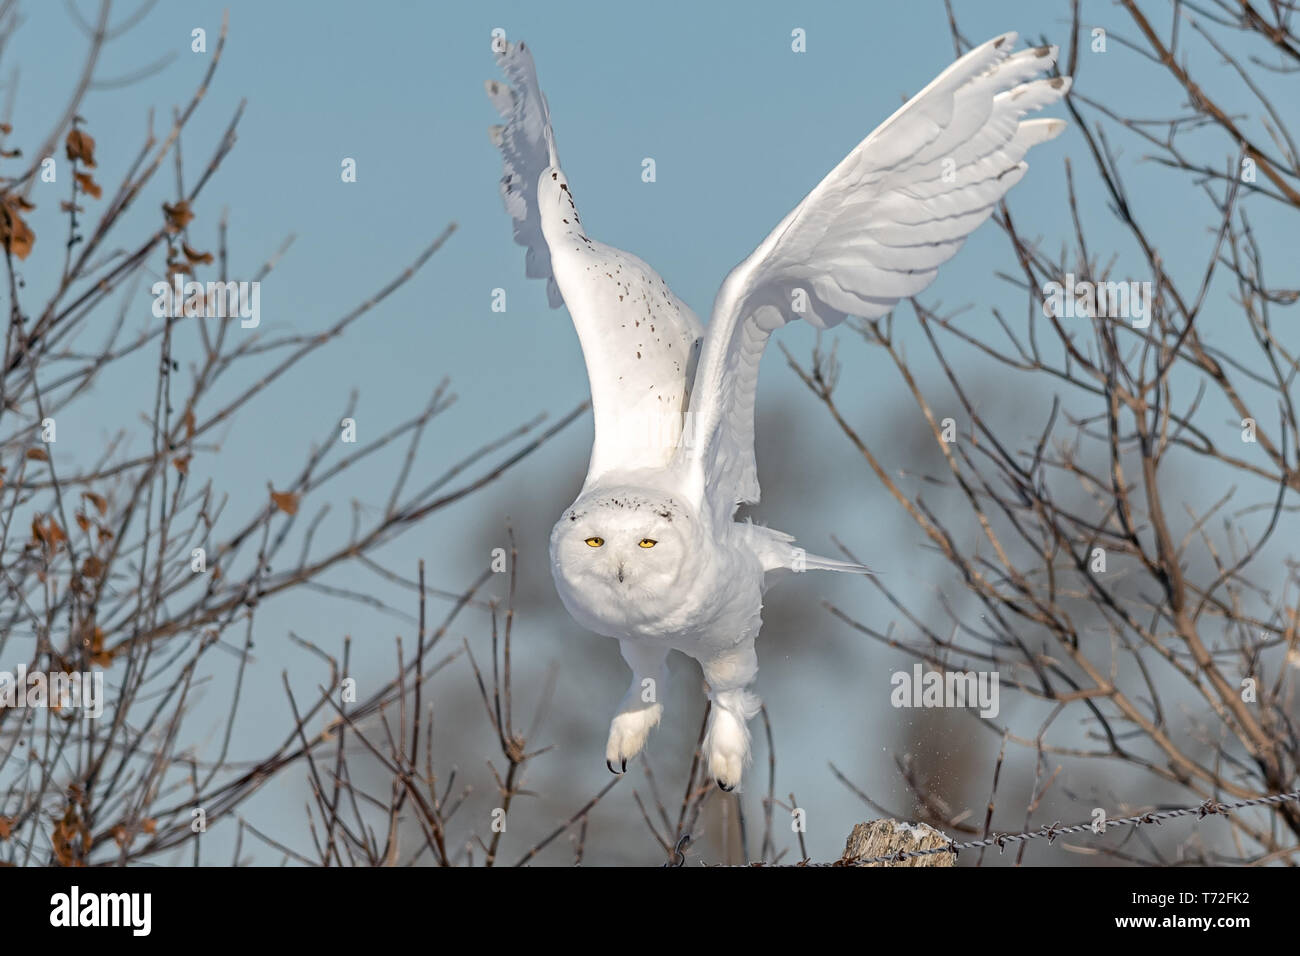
<point x="639" y="341"/>
<point x="874" y="231"/>
<point x="527" y="147"/>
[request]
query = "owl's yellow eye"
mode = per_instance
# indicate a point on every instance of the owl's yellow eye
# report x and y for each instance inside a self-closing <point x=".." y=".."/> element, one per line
<point x="595" y="542"/>
<point x="648" y="542"/>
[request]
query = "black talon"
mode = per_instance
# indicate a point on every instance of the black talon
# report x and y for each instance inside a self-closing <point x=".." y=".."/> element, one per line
<point x="624" y="770"/>
<point x="616" y="772"/>
<point x="723" y="787"/>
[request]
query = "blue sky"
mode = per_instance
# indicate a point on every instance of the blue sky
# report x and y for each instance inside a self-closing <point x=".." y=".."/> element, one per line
<point x="740" y="128"/>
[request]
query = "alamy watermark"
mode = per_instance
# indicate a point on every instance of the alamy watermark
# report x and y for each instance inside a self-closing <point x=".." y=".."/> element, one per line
<point x="133" y="911"/>
<point x="210" y="300"/>
<point x="1085" y="299"/>
<point x="922" y="688"/>
<point x="59" y="690"/>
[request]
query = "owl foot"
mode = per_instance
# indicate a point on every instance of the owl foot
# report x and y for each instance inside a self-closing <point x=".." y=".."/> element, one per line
<point x="627" y="734"/>
<point x="610" y="765"/>
<point x="726" y="748"/>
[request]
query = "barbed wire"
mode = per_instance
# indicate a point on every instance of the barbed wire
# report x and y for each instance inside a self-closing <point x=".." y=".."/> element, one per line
<point x="1210" y="807"/>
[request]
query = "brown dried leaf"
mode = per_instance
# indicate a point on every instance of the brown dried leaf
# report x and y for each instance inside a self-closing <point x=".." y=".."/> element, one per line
<point x="286" y="501"/>
<point x="89" y="186"/>
<point x="80" y="146"/>
<point x="37" y="454"/>
<point x="56" y="535"/>
<point x="48" y="532"/>
<point x="182" y="463"/>
<point x="15" y="235"/>
<point x="196" y="258"/>
<point x="6" y="827"/>
<point x="99" y="501"/>
<point x="178" y="216"/>
<point x="98" y="655"/>
<point x="70" y="840"/>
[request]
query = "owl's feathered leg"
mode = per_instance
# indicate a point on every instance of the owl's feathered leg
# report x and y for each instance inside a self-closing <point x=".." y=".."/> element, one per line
<point x="642" y="705"/>
<point x="726" y="740"/>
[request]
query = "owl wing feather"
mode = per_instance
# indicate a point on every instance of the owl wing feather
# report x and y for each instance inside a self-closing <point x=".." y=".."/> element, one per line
<point x="639" y="341"/>
<point x="874" y="231"/>
<point x="527" y="146"/>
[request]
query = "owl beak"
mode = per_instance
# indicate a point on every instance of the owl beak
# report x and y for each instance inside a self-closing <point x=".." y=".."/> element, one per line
<point x="620" y="573"/>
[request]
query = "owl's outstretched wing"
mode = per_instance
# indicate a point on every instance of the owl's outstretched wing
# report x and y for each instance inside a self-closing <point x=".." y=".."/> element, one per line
<point x="872" y="232"/>
<point x="527" y="147"/>
<point x="639" y="341"/>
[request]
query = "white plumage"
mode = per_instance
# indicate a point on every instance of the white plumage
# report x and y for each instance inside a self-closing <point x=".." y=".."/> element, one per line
<point x="650" y="553"/>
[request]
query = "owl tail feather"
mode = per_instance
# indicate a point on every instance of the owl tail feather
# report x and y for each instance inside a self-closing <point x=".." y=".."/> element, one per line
<point x="815" y="562"/>
<point x="778" y="552"/>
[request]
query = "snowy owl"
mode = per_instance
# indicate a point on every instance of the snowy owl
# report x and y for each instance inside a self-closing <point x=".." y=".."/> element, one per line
<point x="650" y="553"/>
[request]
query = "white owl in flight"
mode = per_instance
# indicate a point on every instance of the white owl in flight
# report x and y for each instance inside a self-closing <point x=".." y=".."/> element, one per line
<point x="650" y="553"/>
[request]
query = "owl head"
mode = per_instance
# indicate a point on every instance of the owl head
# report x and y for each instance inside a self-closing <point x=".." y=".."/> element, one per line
<point x="622" y="550"/>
